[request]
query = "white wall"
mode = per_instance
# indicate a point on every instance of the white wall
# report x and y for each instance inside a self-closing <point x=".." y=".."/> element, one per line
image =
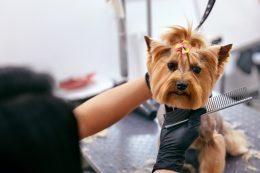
<point x="64" y="37"/>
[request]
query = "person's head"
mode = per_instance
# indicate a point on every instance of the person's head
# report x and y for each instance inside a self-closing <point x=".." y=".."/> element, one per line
<point x="38" y="132"/>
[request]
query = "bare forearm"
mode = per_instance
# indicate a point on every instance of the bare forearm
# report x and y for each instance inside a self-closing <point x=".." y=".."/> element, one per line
<point x="107" y="108"/>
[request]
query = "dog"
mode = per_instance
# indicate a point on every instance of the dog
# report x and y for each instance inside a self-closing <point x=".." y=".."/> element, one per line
<point x="183" y="71"/>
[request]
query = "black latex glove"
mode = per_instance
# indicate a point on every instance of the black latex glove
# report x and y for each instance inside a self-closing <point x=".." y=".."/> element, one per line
<point x="175" y="141"/>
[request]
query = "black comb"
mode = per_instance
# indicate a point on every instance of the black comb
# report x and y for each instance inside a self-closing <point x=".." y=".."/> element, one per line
<point x="216" y="103"/>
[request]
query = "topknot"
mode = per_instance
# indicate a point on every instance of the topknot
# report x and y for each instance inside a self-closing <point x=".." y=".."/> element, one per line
<point x="177" y="34"/>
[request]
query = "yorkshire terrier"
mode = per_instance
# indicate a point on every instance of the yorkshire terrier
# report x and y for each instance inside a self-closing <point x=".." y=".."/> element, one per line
<point x="183" y="70"/>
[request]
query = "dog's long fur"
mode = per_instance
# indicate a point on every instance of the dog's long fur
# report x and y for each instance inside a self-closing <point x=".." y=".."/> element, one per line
<point x="216" y="137"/>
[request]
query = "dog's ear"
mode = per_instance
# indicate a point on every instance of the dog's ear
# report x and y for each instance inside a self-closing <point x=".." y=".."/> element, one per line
<point x="155" y="50"/>
<point x="224" y="53"/>
<point x="155" y="47"/>
<point x="223" y="56"/>
<point x="152" y="44"/>
<point x="148" y="42"/>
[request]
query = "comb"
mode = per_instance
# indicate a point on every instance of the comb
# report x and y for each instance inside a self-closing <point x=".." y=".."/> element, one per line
<point x="217" y="103"/>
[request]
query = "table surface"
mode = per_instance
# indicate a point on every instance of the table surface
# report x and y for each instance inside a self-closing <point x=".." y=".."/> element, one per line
<point x="100" y="84"/>
<point x="131" y="145"/>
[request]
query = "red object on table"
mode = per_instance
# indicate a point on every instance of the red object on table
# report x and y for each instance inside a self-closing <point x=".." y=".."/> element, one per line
<point x="75" y="83"/>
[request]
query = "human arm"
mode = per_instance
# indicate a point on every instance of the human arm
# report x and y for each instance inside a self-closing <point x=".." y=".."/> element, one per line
<point x="110" y="106"/>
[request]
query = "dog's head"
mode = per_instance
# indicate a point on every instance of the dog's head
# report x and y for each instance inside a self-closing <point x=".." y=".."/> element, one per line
<point x="183" y="69"/>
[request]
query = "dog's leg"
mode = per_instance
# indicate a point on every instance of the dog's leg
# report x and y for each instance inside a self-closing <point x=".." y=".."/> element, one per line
<point x="212" y="151"/>
<point x="212" y="155"/>
<point x="189" y="168"/>
<point x="235" y="141"/>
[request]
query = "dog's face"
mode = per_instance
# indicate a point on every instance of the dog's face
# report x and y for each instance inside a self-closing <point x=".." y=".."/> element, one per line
<point x="184" y="79"/>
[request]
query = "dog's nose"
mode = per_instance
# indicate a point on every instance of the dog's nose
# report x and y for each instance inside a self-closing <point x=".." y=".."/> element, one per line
<point x="181" y="85"/>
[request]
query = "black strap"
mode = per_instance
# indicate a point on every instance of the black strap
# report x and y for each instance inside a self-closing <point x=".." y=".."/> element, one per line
<point x="206" y="13"/>
<point x="147" y="80"/>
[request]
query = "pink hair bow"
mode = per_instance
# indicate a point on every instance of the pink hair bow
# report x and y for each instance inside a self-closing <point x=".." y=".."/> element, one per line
<point x="183" y="47"/>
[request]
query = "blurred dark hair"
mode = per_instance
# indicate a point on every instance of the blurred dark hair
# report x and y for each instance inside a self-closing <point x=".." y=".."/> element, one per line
<point x="38" y="132"/>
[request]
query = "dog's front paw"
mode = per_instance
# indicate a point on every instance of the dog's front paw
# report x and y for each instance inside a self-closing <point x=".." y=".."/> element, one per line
<point x="207" y="129"/>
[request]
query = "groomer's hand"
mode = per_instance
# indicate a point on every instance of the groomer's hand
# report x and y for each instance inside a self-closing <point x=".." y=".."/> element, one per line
<point x="174" y="142"/>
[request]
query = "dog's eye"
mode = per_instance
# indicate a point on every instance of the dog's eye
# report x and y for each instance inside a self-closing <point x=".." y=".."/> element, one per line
<point x="196" y="69"/>
<point x="172" y="66"/>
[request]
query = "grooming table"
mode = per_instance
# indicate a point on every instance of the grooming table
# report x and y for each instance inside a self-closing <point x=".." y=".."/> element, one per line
<point x="131" y="145"/>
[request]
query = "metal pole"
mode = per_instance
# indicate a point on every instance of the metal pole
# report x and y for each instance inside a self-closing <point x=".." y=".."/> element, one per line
<point x="149" y="17"/>
<point x="123" y="45"/>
